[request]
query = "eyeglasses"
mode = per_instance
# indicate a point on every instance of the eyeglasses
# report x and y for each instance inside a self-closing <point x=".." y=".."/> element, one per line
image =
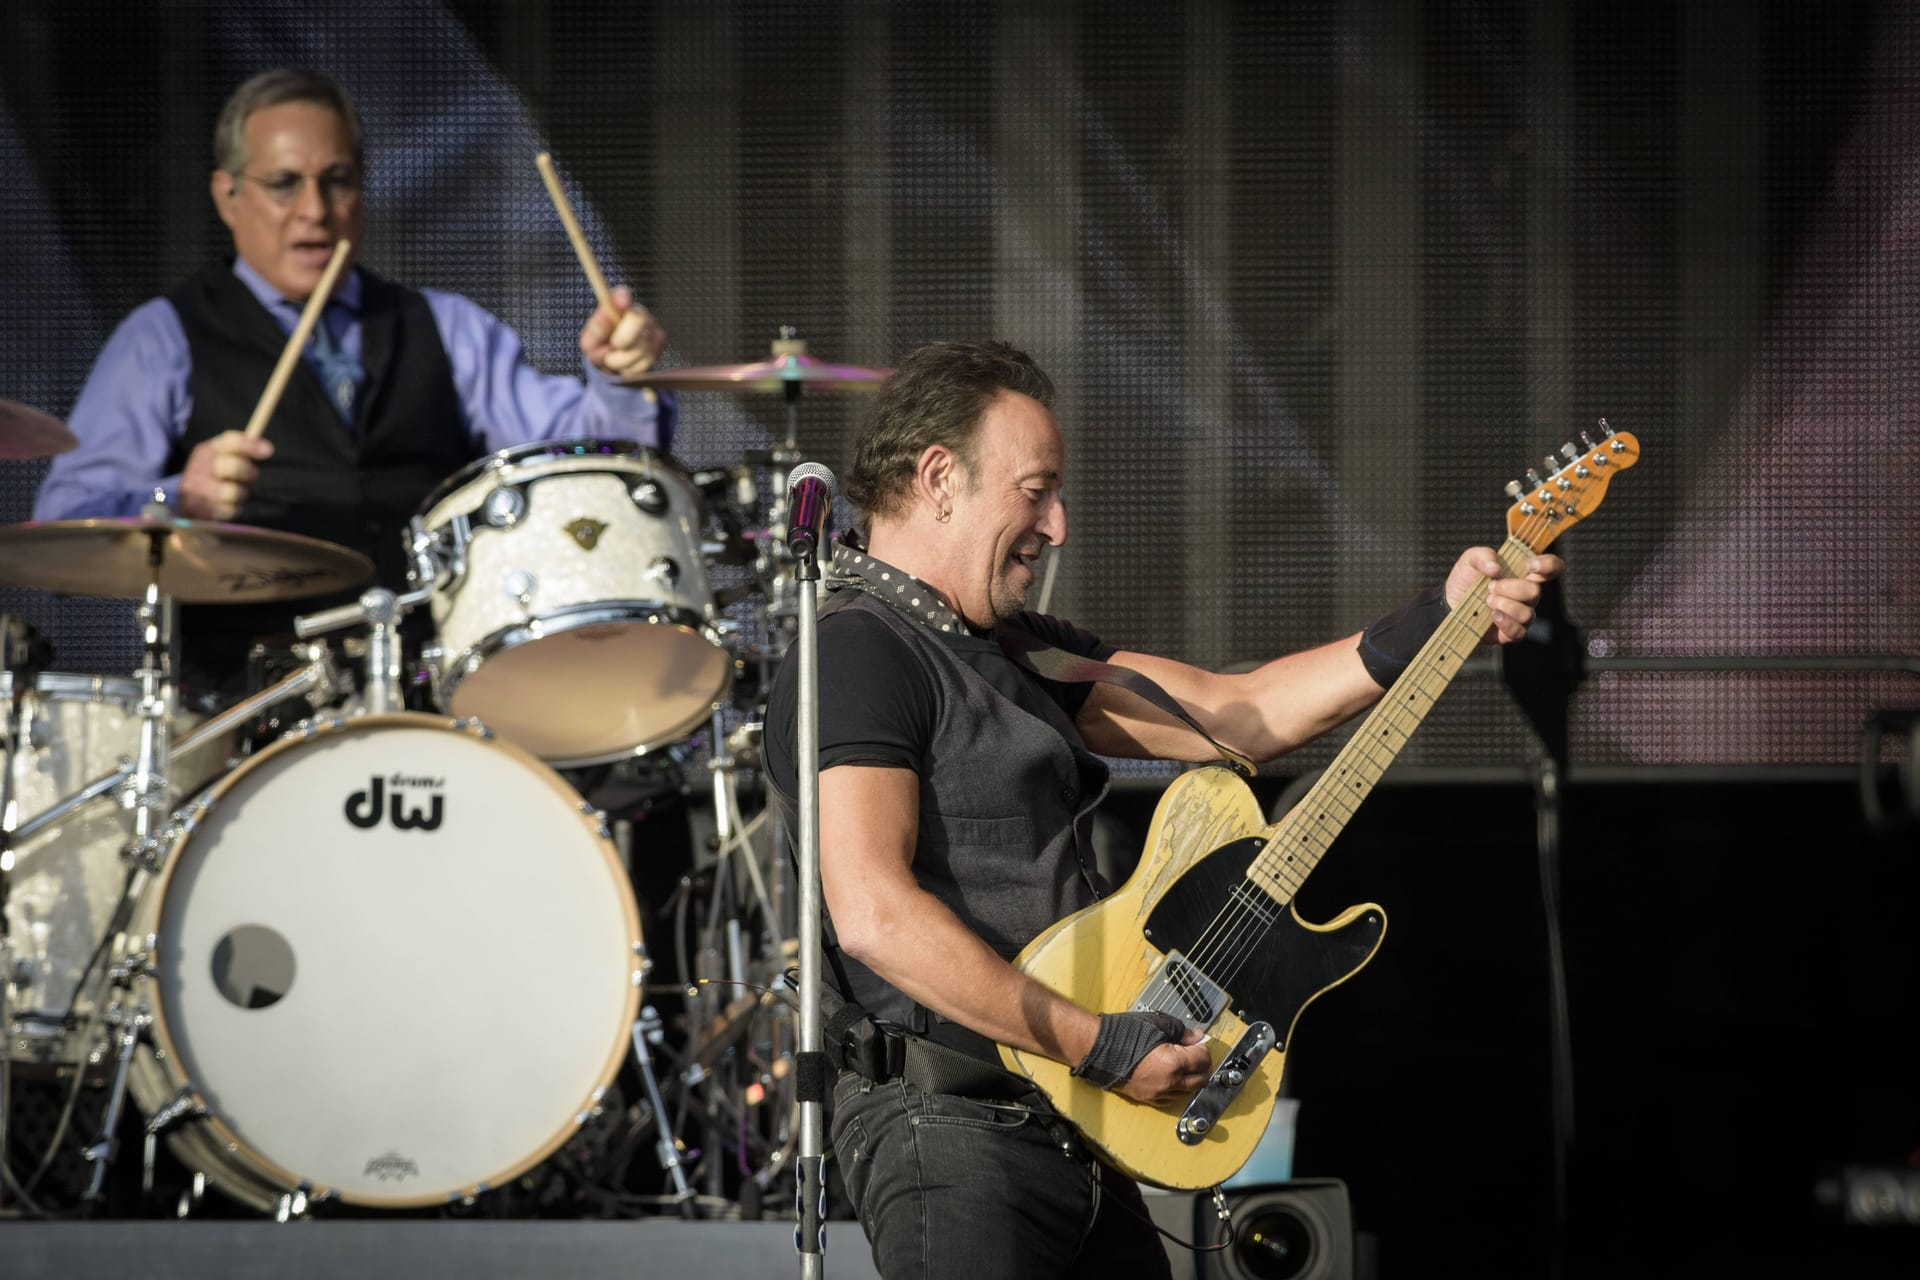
<point x="337" y="186"/>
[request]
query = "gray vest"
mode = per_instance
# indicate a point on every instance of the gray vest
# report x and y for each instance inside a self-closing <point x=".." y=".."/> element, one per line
<point x="1006" y="808"/>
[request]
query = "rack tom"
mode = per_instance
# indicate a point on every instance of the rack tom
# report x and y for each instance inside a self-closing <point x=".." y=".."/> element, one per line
<point x="571" y="606"/>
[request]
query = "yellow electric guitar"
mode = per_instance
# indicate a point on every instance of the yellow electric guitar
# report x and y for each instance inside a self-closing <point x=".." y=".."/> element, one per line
<point x="1205" y="927"/>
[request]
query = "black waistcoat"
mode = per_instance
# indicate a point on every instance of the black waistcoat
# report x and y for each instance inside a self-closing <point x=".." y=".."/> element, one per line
<point x="354" y="486"/>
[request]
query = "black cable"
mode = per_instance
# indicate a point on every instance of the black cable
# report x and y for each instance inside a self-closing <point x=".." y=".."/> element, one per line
<point x="1221" y="1246"/>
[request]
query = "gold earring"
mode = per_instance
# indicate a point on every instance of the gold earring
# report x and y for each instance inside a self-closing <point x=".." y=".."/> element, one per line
<point x="943" y="515"/>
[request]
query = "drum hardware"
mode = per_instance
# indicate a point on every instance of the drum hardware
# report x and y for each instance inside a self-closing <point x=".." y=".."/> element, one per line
<point x="184" y="1106"/>
<point x="382" y="611"/>
<point x="12" y="660"/>
<point x="319" y="682"/>
<point x="130" y="1022"/>
<point x="647" y="1031"/>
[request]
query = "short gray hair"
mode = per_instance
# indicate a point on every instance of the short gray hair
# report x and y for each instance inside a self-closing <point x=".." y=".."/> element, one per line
<point x="270" y="89"/>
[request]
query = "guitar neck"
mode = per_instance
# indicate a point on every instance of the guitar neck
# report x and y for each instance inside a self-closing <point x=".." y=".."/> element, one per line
<point x="1311" y="827"/>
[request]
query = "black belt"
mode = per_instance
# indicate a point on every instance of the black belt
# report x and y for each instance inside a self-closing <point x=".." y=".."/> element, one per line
<point x="882" y="1053"/>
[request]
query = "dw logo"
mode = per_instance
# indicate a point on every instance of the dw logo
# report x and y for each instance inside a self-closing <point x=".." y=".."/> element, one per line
<point x="365" y="808"/>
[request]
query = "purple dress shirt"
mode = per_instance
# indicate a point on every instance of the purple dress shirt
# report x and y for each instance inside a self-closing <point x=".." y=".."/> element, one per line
<point x="135" y="404"/>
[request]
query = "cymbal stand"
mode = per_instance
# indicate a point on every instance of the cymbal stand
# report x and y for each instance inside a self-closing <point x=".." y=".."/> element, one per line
<point x="317" y="682"/>
<point x="147" y="793"/>
<point x="16" y="722"/>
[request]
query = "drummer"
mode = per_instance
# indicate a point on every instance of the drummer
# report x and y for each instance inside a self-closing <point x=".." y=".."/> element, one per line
<point x="399" y="388"/>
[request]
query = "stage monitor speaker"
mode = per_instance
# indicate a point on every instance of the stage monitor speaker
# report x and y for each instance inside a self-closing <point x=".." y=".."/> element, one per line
<point x="1298" y="1230"/>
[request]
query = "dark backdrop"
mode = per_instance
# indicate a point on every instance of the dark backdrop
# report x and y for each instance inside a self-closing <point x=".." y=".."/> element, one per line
<point x="1316" y="280"/>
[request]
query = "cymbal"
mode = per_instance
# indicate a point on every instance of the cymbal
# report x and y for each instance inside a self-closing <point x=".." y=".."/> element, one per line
<point x="29" y="433"/>
<point x="202" y="562"/>
<point x="776" y="374"/>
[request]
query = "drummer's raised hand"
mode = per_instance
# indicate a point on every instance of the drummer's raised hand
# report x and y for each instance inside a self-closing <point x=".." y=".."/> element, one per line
<point x="219" y="473"/>
<point x="625" y="340"/>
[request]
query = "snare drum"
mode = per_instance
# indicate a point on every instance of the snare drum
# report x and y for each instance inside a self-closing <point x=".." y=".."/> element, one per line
<point x="395" y="960"/>
<point x="68" y="875"/>
<point x="571" y="611"/>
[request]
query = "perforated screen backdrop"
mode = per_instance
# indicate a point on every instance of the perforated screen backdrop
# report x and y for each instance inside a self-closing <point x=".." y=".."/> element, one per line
<point x="1315" y="280"/>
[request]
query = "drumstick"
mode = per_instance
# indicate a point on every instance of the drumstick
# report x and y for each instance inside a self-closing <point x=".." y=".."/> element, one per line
<point x="581" y="249"/>
<point x="298" y="339"/>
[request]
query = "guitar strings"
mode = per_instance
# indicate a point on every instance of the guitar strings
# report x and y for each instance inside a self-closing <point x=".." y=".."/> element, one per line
<point x="1243" y="922"/>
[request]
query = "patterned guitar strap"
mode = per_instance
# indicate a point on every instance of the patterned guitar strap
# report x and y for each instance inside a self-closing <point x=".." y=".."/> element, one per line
<point x="854" y="570"/>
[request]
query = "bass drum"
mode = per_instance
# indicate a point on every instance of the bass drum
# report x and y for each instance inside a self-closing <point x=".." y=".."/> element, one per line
<point x="394" y="961"/>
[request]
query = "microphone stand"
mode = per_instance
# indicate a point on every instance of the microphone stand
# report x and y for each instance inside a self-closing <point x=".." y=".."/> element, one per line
<point x="810" y="1074"/>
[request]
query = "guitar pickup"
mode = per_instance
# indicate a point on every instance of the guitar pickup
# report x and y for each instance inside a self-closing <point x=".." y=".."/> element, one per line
<point x="1197" y="1121"/>
<point x="1179" y="988"/>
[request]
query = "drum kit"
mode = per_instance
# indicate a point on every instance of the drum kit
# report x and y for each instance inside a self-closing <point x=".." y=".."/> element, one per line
<point x="389" y="956"/>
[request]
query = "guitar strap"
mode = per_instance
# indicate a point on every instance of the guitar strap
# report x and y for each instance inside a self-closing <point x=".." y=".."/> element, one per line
<point x="1050" y="662"/>
<point x="853" y="569"/>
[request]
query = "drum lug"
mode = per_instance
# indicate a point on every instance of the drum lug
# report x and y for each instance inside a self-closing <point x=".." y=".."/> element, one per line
<point x="650" y="497"/>
<point x="504" y="507"/>
<point x="598" y="817"/>
<point x="664" y="570"/>
<point x="471" y="724"/>
<point x="519" y="586"/>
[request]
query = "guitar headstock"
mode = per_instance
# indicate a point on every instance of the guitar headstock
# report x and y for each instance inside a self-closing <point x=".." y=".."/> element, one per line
<point x="1543" y="509"/>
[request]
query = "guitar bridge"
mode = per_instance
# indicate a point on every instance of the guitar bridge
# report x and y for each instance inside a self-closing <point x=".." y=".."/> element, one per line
<point x="1197" y="1121"/>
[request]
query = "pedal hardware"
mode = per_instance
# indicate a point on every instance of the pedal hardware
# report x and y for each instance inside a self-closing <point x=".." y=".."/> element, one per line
<point x="1235" y="1069"/>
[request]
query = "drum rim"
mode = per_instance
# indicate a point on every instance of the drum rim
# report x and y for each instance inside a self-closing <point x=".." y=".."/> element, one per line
<point x="572" y="447"/>
<point x="474" y="657"/>
<point x="165" y="1059"/>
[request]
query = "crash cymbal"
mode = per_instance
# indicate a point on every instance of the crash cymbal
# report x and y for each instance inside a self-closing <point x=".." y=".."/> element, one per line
<point x="202" y="561"/>
<point x="29" y="433"/>
<point x="776" y="374"/>
<point x="790" y="369"/>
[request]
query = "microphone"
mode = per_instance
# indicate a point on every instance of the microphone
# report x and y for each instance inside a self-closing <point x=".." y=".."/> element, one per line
<point x="809" y="505"/>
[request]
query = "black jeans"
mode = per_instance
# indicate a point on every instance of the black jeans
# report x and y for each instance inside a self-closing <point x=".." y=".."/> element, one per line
<point x="958" y="1187"/>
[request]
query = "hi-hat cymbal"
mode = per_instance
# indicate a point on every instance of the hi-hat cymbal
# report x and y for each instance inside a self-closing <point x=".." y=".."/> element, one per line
<point x="776" y="374"/>
<point x="202" y="562"/>
<point x="29" y="433"/>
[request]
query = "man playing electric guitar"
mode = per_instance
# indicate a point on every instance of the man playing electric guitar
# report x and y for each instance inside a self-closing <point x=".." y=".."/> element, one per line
<point x="956" y="792"/>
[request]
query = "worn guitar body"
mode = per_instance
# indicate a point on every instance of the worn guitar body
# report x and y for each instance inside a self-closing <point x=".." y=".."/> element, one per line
<point x="1206" y="834"/>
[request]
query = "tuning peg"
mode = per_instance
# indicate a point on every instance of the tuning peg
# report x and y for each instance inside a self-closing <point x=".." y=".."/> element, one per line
<point x="1553" y="464"/>
<point x="1586" y="440"/>
<point x="1605" y="429"/>
<point x="1513" y="489"/>
<point x="1568" y="452"/>
<point x="1533" y="478"/>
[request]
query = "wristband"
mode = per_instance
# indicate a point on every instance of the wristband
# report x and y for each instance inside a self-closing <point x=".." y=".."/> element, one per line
<point x="1389" y="645"/>
<point x="1123" y="1040"/>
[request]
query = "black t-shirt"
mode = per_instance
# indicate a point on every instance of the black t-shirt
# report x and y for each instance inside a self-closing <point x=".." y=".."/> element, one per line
<point x="878" y="705"/>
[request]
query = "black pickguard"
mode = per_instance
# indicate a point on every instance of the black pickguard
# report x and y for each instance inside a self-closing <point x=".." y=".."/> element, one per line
<point x="1290" y="964"/>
